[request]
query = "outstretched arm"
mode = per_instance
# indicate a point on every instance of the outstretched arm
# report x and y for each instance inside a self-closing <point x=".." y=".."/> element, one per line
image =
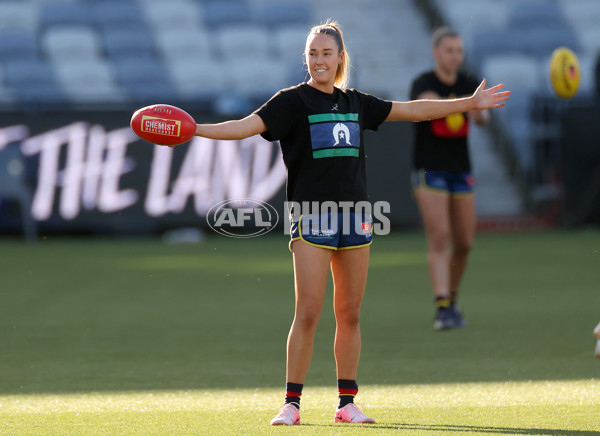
<point x="422" y="110"/>
<point x="236" y="129"/>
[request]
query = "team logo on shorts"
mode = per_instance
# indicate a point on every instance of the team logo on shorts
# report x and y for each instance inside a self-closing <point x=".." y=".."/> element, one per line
<point x="366" y="228"/>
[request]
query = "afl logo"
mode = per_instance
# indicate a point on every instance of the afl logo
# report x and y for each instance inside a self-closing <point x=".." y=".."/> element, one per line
<point x="242" y="218"/>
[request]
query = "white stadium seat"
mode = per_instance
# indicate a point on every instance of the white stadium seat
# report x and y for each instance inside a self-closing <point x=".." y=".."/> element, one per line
<point x="242" y="41"/>
<point x="192" y="76"/>
<point x="175" y="44"/>
<point x="18" y="15"/>
<point x="173" y="14"/>
<point x="71" y="42"/>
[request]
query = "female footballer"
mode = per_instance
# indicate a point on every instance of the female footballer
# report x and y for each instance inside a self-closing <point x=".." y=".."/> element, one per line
<point x="320" y="127"/>
<point x="442" y="179"/>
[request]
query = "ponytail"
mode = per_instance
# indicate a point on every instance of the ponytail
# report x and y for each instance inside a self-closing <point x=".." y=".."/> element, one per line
<point x="333" y="28"/>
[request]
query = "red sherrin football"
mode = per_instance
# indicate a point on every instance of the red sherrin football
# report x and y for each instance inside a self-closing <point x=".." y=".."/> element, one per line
<point x="163" y="124"/>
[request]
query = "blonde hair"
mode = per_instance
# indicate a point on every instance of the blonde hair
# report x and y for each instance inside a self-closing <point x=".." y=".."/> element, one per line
<point x="333" y="28"/>
<point x="441" y="33"/>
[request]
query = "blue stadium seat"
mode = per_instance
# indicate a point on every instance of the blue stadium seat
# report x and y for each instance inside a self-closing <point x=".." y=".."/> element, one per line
<point x="494" y="42"/>
<point x="275" y="14"/>
<point x="133" y="43"/>
<point x="144" y="79"/>
<point x="18" y="44"/>
<point x="532" y="14"/>
<point x="20" y="15"/>
<point x="243" y="41"/>
<point x="87" y="79"/>
<point x="71" y="42"/>
<point x="32" y="80"/>
<point x="541" y="42"/>
<point x="114" y="15"/>
<point x="197" y="80"/>
<point x="518" y="72"/>
<point x="289" y="42"/>
<point x="516" y="120"/>
<point x="253" y="80"/>
<point x="219" y="13"/>
<point x="63" y="13"/>
<point x="178" y="44"/>
<point x="174" y="14"/>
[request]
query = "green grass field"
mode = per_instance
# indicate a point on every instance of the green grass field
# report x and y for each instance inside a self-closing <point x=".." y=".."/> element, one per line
<point x="135" y="337"/>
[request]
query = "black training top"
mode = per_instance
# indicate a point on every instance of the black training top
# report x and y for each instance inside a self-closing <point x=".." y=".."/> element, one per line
<point x="441" y="145"/>
<point x="321" y="137"/>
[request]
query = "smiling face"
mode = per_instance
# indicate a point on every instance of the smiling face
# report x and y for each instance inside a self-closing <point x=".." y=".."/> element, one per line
<point x="323" y="58"/>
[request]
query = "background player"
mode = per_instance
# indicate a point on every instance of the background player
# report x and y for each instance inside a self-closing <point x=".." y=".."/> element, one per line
<point x="442" y="178"/>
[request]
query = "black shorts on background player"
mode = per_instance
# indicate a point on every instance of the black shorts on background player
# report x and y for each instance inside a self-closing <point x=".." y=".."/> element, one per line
<point x="441" y="145"/>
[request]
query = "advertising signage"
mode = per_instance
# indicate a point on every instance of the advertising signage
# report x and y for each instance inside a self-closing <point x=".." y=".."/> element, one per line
<point x="90" y="172"/>
<point x="87" y="172"/>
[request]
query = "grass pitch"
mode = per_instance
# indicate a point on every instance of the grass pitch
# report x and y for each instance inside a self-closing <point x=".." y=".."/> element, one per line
<point x="138" y="337"/>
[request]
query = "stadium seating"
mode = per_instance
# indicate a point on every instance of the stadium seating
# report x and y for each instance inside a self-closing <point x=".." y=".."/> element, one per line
<point x="542" y="41"/>
<point x="225" y="12"/>
<point x="197" y="79"/>
<point x="89" y="80"/>
<point x="64" y="13"/>
<point x="31" y="79"/>
<point x="111" y="15"/>
<point x="143" y="79"/>
<point x="529" y="15"/>
<point x="511" y="42"/>
<point x="180" y="44"/>
<point x="278" y="14"/>
<point x="174" y="14"/>
<point x="18" y="16"/>
<point x="71" y="42"/>
<point x="518" y="72"/>
<point x="132" y="43"/>
<point x="18" y="45"/>
<point x="288" y="42"/>
<point x="180" y="36"/>
<point x="242" y="41"/>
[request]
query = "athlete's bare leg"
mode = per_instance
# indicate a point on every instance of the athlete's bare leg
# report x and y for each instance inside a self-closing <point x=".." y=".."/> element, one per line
<point x="311" y="269"/>
<point x="435" y="212"/>
<point x="463" y="223"/>
<point x="349" y="268"/>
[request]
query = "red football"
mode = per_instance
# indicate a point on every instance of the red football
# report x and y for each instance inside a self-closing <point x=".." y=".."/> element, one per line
<point x="163" y="124"/>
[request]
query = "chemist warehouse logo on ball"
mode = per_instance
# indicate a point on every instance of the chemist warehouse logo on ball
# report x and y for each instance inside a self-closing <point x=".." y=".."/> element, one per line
<point x="242" y="218"/>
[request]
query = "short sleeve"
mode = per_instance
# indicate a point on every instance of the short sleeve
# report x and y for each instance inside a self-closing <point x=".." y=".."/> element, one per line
<point x="374" y="111"/>
<point x="419" y="86"/>
<point x="472" y="83"/>
<point x="278" y="116"/>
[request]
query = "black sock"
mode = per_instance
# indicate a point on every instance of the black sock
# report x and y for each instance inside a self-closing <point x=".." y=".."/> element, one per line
<point x="293" y="391"/>
<point x="347" y="390"/>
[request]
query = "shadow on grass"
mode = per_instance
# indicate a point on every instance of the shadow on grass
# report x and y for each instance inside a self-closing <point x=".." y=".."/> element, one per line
<point x="468" y="429"/>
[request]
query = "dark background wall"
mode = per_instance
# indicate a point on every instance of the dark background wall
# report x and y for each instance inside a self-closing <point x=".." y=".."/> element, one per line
<point x="60" y="197"/>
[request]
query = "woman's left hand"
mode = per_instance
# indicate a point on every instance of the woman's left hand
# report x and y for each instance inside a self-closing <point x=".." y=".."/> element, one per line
<point x="489" y="98"/>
